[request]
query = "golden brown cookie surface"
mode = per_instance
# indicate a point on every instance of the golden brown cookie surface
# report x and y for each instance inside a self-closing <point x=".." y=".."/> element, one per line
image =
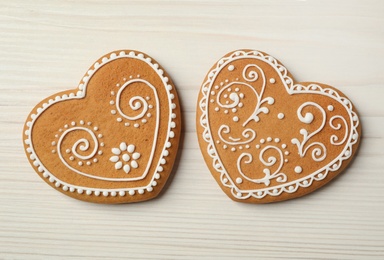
<point x="112" y="140"/>
<point x="266" y="138"/>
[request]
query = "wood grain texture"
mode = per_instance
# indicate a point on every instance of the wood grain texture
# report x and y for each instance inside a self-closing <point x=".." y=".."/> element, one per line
<point x="46" y="46"/>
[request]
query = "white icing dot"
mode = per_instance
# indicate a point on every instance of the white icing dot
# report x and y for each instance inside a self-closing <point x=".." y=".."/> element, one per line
<point x="298" y="169"/>
<point x="95" y="160"/>
<point x="231" y="67"/>
<point x="71" y="158"/>
<point x="262" y="141"/>
<point x="105" y="193"/>
<point x="127" y="124"/>
<point x="269" y="139"/>
<point x="113" y="112"/>
<point x="144" y="121"/>
<point x="225" y="95"/>
<point x="241" y="95"/>
<point x="225" y="146"/>
<point x="234" y="110"/>
<point x="136" y="125"/>
<point x="280" y="116"/>
<point x="73" y="123"/>
<point x="119" y="119"/>
<point x="53" y="143"/>
<point x="286" y="153"/>
<point x="157" y="176"/>
<point x="288" y="81"/>
<point x="100" y="135"/>
<point x="80" y="163"/>
<point x="257" y="146"/>
<point x="286" y="160"/>
<point x="88" y="163"/>
<point x="100" y="152"/>
<point x="225" y="180"/>
<point x="81" y="122"/>
<point x="241" y="104"/>
<point x="217" y="109"/>
<point x="284" y="146"/>
<point x="235" y="119"/>
<point x="330" y="108"/>
<point x="97" y="193"/>
<point x="131" y="192"/>
<point x="239" y="180"/>
<point x="95" y="128"/>
<point x="213" y="93"/>
<point x="121" y="193"/>
<point x="233" y="149"/>
<point x="272" y="80"/>
<point x="212" y="100"/>
<point x="141" y="191"/>
<point x="217" y="87"/>
<point x="126" y="157"/>
<point x="247" y="146"/>
<point x="113" y="193"/>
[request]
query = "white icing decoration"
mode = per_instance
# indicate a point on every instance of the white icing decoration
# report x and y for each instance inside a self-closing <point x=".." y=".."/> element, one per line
<point x="266" y="180"/>
<point x="330" y="108"/>
<point x="80" y="94"/>
<point x="292" y="89"/>
<point x="298" y="169"/>
<point x="319" y="153"/>
<point x="334" y="138"/>
<point x="248" y="134"/>
<point x="280" y="116"/>
<point x="231" y="67"/>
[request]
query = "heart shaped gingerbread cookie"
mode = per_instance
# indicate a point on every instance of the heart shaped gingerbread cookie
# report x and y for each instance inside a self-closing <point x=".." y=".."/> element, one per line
<point x="266" y="138"/>
<point x="112" y="140"/>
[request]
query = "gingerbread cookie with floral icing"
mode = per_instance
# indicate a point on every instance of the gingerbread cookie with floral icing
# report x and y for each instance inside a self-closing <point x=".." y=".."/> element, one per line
<point x="112" y="140"/>
<point x="266" y="138"/>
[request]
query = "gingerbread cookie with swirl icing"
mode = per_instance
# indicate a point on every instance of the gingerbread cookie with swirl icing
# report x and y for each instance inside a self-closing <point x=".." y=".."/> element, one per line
<point x="267" y="138"/>
<point x="114" y="139"/>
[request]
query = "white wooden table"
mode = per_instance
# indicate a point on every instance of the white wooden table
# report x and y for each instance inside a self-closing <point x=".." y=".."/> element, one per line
<point x="46" y="47"/>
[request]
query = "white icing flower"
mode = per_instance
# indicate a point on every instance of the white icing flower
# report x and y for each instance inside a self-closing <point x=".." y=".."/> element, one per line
<point x="125" y="157"/>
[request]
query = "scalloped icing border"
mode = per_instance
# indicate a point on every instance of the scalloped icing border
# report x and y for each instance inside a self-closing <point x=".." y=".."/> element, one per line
<point x="81" y="94"/>
<point x="291" y="88"/>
